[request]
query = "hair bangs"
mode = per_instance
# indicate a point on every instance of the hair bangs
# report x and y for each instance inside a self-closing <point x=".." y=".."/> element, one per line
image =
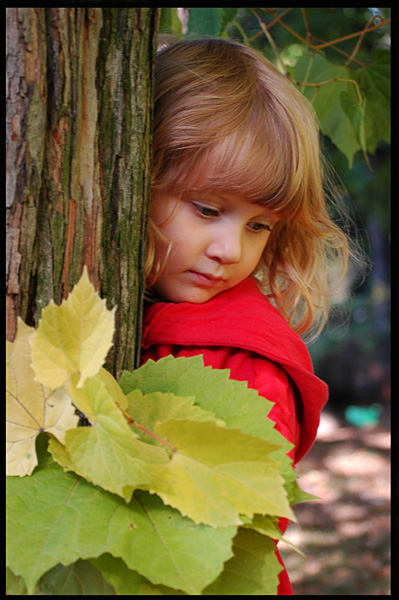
<point x="255" y="160"/>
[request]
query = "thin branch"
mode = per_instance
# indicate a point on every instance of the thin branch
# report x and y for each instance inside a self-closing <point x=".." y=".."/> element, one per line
<point x="318" y="85"/>
<point x="358" y="62"/>
<point x="243" y="33"/>
<point x="325" y="44"/>
<point x="271" y="42"/>
<point x="305" y="20"/>
<point x="271" y="24"/>
<point x="352" y="35"/>
<point x="359" y="41"/>
<point x="287" y="28"/>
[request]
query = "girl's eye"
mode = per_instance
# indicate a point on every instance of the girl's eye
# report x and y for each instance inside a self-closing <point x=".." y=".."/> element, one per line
<point x="259" y="227"/>
<point x="206" y="211"/>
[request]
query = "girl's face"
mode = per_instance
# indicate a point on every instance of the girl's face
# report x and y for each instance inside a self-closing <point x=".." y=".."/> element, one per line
<point x="217" y="240"/>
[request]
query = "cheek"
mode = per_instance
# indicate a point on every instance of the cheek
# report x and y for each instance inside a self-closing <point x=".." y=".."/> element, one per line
<point x="256" y="252"/>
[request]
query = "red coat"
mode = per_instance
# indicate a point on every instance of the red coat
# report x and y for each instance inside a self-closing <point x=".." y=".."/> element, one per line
<point x="240" y="330"/>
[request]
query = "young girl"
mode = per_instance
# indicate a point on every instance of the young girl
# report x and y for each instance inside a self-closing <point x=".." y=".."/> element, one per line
<point x="242" y="252"/>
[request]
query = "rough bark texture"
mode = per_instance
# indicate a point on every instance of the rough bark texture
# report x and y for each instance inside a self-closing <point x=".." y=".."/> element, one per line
<point x="79" y="96"/>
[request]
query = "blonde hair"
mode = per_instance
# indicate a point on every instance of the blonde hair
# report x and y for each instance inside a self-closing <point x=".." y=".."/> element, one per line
<point x="220" y="103"/>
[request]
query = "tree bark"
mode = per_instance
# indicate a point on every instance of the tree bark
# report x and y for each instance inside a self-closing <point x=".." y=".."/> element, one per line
<point x="79" y="112"/>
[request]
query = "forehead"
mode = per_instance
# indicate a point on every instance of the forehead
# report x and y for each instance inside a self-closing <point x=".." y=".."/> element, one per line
<point x="237" y="169"/>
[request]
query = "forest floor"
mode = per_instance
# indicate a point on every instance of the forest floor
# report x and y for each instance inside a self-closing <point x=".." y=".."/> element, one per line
<point x="346" y="534"/>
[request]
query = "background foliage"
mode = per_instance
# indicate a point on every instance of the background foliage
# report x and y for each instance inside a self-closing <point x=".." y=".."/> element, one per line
<point x="340" y="58"/>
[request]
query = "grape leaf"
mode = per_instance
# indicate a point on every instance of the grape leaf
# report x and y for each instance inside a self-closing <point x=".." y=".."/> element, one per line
<point x="55" y="517"/>
<point x="15" y="585"/>
<point x="253" y="570"/>
<point x="78" y="579"/>
<point x="217" y="473"/>
<point x="127" y="582"/>
<point x="31" y="407"/>
<point x="150" y="409"/>
<point x="375" y="84"/>
<point x="190" y="555"/>
<point x="74" y="337"/>
<point x="267" y="525"/>
<point x="205" y="21"/>
<point x="349" y="121"/>
<point x="122" y="462"/>
<point x="229" y="400"/>
<point x="326" y="99"/>
<point x="169" y="22"/>
<point x="214" y="472"/>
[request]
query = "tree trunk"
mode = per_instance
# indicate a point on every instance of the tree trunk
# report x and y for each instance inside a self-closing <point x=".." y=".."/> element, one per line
<point x="79" y="111"/>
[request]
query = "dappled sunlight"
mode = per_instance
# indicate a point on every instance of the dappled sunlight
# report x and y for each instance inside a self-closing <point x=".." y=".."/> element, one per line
<point x="346" y="534"/>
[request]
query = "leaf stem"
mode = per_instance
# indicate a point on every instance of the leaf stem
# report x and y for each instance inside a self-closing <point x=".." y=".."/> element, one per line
<point x="352" y="35"/>
<point x="271" y="42"/>
<point x="332" y="81"/>
<point x="361" y="33"/>
<point x="359" y="41"/>
<point x="131" y="421"/>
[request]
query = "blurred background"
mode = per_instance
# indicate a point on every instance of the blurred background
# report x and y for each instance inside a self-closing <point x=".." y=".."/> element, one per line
<point x="346" y="534"/>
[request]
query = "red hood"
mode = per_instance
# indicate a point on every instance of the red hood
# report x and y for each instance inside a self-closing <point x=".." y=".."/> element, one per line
<point x="243" y="318"/>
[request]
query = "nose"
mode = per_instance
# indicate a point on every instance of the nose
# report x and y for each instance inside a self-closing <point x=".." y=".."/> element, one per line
<point x="226" y="245"/>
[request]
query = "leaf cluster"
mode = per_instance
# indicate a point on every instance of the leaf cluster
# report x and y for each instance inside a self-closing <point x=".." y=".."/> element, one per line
<point x="175" y="487"/>
<point x="351" y="97"/>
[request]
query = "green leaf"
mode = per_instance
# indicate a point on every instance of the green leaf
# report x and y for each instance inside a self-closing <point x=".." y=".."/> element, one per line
<point x="217" y="473"/>
<point x="157" y="407"/>
<point x="227" y="17"/>
<point x="55" y="517"/>
<point x="205" y="21"/>
<point x="355" y="113"/>
<point x="253" y="571"/>
<point x="229" y="400"/>
<point x="214" y="473"/>
<point x="375" y="84"/>
<point x="127" y="582"/>
<point x="79" y="579"/>
<point x="269" y="526"/>
<point x="169" y="21"/>
<point x="50" y="519"/>
<point x="315" y="69"/>
<point x="15" y="585"/>
<point x="122" y="462"/>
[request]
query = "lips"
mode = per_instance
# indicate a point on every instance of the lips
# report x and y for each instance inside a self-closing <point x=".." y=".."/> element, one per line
<point x="209" y="276"/>
<point x="205" y="279"/>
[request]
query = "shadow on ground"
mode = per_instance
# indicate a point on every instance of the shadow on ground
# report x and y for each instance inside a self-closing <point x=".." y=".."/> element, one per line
<point x="345" y="535"/>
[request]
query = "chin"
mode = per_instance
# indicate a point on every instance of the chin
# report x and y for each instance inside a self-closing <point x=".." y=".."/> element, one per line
<point x="194" y="296"/>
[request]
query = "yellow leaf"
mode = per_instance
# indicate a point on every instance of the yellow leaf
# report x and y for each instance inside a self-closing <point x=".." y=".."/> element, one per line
<point x="73" y="338"/>
<point x="31" y="407"/>
<point x="216" y="474"/>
